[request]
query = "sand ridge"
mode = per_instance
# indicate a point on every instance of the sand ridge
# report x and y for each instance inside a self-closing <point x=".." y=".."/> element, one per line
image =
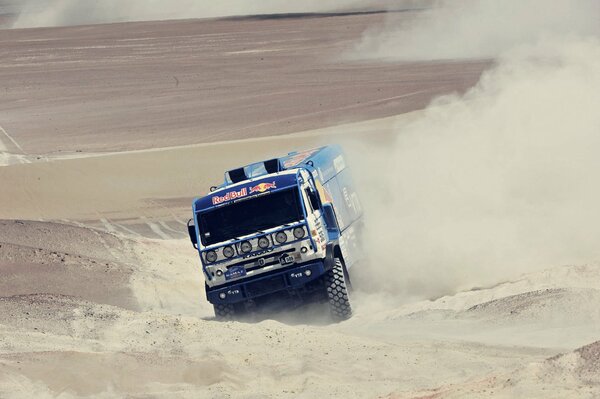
<point x="157" y="84"/>
<point x="173" y="341"/>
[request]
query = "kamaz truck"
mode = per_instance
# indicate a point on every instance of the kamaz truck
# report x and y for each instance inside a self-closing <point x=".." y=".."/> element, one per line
<point x="285" y="226"/>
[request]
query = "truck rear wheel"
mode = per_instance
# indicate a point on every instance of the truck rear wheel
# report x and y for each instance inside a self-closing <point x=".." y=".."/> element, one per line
<point x="224" y="311"/>
<point x="337" y="292"/>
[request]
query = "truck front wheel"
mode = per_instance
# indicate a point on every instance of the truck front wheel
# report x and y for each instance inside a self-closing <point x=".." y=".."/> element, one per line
<point x="337" y="292"/>
<point x="224" y="311"/>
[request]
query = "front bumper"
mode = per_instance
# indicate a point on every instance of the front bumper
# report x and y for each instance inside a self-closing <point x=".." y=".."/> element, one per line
<point x="264" y="284"/>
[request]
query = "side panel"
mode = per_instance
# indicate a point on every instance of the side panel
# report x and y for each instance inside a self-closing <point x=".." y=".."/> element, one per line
<point x="351" y="244"/>
<point x="327" y="161"/>
<point x="344" y="198"/>
<point x="349" y="201"/>
<point x="340" y="190"/>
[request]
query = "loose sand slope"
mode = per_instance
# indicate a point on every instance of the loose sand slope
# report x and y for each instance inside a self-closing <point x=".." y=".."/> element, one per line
<point x="129" y="310"/>
<point x="156" y="84"/>
<point x="472" y="343"/>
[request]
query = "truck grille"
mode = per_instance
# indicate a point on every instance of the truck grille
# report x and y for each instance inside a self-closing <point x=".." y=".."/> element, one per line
<point x="266" y="286"/>
<point x="269" y="260"/>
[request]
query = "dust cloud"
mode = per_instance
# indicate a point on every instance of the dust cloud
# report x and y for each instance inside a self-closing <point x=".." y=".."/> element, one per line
<point x="477" y="28"/>
<point x="36" y="13"/>
<point x="500" y="181"/>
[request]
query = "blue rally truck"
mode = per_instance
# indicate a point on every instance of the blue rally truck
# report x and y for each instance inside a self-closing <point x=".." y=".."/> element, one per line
<point x="283" y="226"/>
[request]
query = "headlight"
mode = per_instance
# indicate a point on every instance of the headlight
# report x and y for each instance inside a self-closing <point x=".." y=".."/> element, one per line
<point x="299" y="232"/>
<point x="263" y="242"/>
<point x="246" y="247"/>
<point x="211" y="256"/>
<point x="281" y="237"/>
<point x="228" y="251"/>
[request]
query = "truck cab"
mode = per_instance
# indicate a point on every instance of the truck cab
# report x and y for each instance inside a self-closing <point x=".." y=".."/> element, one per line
<point x="287" y="225"/>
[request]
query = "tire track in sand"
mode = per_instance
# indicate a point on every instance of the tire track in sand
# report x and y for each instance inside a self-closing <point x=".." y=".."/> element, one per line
<point x="7" y="155"/>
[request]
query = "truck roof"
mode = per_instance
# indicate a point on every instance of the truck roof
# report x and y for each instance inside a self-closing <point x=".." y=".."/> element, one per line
<point x="273" y="174"/>
<point x="326" y="160"/>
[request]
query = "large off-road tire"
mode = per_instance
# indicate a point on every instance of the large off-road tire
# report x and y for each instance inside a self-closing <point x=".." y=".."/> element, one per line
<point x="337" y="292"/>
<point x="224" y="311"/>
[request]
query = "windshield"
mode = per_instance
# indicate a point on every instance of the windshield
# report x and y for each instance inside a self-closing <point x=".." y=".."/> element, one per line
<point x="250" y="216"/>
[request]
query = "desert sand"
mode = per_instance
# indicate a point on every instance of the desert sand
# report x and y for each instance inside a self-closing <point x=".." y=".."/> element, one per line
<point x="156" y="84"/>
<point x="109" y="131"/>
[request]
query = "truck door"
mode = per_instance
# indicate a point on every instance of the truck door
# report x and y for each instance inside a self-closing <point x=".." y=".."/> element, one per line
<point x="314" y="219"/>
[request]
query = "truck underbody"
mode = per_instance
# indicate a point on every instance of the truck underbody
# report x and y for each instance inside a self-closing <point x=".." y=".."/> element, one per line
<point x="298" y="285"/>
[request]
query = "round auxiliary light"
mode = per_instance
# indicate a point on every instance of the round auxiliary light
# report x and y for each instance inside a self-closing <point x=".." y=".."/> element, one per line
<point x="263" y="242"/>
<point x="281" y="237"/>
<point x="211" y="256"/>
<point x="299" y="232"/>
<point x="246" y="247"/>
<point x="222" y="295"/>
<point x="228" y="251"/>
<point x="219" y="273"/>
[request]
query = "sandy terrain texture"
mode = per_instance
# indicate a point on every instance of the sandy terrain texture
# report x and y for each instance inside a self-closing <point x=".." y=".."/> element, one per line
<point x="154" y="336"/>
<point x="103" y="306"/>
<point x="156" y="84"/>
<point x="107" y="132"/>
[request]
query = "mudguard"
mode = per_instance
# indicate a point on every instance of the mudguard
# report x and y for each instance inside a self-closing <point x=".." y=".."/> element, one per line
<point x="330" y="255"/>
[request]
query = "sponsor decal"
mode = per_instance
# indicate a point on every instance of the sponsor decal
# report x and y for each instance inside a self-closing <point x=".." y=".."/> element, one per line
<point x="339" y="164"/>
<point x="235" y="272"/>
<point x="325" y="196"/>
<point x="258" y="253"/>
<point x="298" y="158"/>
<point x="244" y="192"/>
<point x="219" y="199"/>
<point x="262" y="187"/>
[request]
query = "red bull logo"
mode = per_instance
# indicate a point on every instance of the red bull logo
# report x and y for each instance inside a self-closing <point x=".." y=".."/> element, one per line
<point x="219" y="199"/>
<point x="262" y="187"/>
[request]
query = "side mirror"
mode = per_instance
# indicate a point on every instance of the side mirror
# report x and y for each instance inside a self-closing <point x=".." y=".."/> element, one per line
<point x="330" y="218"/>
<point x="192" y="232"/>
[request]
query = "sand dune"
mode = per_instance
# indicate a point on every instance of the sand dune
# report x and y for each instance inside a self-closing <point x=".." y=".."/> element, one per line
<point x="99" y="306"/>
<point x="100" y="294"/>
<point x="149" y="192"/>
<point x="110" y="132"/>
<point x="172" y="345"/>
<point x="158" y="84"/>
<point x="577" y="372"/>
<point x="115" y="304"/>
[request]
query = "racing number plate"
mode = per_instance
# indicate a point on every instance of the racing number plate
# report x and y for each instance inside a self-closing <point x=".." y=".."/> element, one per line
<point x="286" y="260"/>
